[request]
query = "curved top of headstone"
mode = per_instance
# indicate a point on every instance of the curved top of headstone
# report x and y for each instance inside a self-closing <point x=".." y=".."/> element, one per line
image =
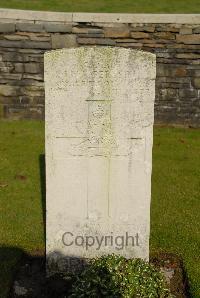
<point x="114" y="57"/>
<point x="102" y="49"/>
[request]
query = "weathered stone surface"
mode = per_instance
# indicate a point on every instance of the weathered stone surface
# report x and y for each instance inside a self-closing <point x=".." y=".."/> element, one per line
<point x="82" y="30"/>
<point x="59" y="28"/>
<point x="6" y="67"/>
<point x="154" y="45"/>
<point x="168" y="28"/>
<point x="129" y="45"/>
<point x="180" y="71"/>
<point x="142" y="28"/>
<point x="139" y="35"/>
<point x="7" y="27"/>
<point x="117" y="32"/>
<point x="60" y="41"/>
<point x="96" y="41"/>
<point x="15" y="37"/>
<point x="188" y="56"/>
<point x="33" y="58"/>
<point x="99" y="128"/>
<point x="188" y="39"/>
<point x="32" y="67"/>
<point x="32" y="51"/>
<point x="179" y="46"/>
<point x="36" y="45"/>
<point x="171" y="70"/>
<point x="37" y="77"/>
<point x="6" y="90"/>
<point x="194" y="73"/>
<point x="27" y="27"/>
<point x="33" y="90"/>
<point x="185" y="31"/>
<point x="11" y="76"/>
<point x="126" y="40"/>
<point x="188" y="93"/>
<point x="171" y="79"/>
<point x="34" y="16"/>
<point x="9" y="44"/>
<point x="107" y="24"/>
<point x="24" y="44"/>
<point x="40" y="38"/>
<point x="24" y="82"/>
<point x="38" y="100"/>
<point x="196" y="30"/>
<point x="196" y="83"/>
<point x="163" y="55"/>
<point x="164" y="35"/>
<point x="91" y="35"/>
<point x="19" y="67"/>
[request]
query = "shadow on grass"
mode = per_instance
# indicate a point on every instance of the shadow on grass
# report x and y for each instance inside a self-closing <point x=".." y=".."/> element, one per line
<point x="24" y="275"/>
<point x="9" y="261"/>
<point x="17" y="268"/>
<point x="43" y="191"/>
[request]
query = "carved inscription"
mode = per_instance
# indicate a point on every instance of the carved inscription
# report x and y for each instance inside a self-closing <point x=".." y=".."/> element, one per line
<point x="101" y="139"/>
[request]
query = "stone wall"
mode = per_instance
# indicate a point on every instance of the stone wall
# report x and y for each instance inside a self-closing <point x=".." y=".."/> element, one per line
<point x="175" y="39"/>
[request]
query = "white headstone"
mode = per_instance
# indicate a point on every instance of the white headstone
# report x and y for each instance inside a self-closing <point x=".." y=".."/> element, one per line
<point x="99" y="133"/>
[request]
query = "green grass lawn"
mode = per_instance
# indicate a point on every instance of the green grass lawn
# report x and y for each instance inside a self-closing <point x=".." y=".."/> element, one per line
<point x="128" y="6"/>
<point x="175" y="221"/>
<point x="21" y="216"/>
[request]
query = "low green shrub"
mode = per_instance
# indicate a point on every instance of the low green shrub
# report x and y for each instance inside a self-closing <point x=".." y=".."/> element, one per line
<point x="115" y="276"/>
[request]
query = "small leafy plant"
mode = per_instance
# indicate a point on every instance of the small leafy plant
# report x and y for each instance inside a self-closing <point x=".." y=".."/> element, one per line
<point x="114" y="276"/>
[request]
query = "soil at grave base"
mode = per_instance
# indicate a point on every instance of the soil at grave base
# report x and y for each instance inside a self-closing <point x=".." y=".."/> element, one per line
<point x="31" y="282"/>
<point x="172" y="267"/>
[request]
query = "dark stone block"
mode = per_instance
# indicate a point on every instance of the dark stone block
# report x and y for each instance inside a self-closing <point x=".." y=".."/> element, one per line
<point x="7" y="27"/>
<point x="57" y="28"/>
<point x="28" y="27"/>
<point x="25" y="44"/>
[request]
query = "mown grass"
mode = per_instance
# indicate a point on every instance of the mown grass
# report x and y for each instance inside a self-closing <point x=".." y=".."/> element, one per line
<point x="175" y="224"/>
<point x="175" y="221"/>
<point x="123" y="6"/>
<point x="21" y="220"/>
